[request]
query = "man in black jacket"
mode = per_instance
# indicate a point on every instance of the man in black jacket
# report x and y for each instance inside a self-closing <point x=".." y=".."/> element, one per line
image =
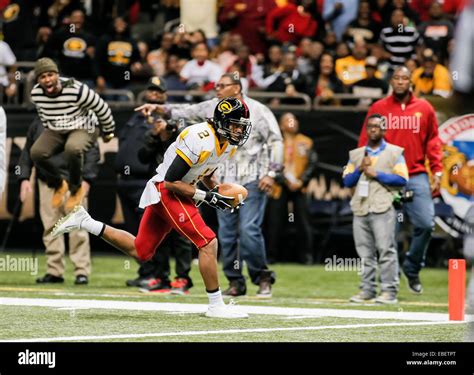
<point x="74" y="47"/>
<point x="79" y="247"/>
<point x="116" y="55"/>
<point x="142" y="144"/>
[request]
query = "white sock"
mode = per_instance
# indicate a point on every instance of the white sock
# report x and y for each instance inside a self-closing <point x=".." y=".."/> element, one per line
<point x="215" y="299"/>
<point x="92" y="226"/>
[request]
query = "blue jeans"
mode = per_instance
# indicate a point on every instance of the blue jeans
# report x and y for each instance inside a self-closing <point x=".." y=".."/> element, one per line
<point x="241" y="237"/>
<point x="421" y="215"/>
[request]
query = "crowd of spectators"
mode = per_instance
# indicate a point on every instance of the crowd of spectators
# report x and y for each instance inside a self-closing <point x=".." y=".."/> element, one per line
<point x="315" y="47"/>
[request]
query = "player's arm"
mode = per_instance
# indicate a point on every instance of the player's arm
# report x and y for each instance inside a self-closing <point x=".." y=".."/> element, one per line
<point x="177" y="170"/>
<point x="209" y="181"/>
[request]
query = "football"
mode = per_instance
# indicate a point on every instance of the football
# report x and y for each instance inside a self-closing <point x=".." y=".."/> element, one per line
<point x="238" y="192"/>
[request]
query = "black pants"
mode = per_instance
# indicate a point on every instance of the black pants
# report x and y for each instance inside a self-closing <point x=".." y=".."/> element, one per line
<point x="158" y="266"/>
<point x="278" y="219"/>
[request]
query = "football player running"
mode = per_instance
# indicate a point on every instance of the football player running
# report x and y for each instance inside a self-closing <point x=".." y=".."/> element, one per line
<point x="170" y="197"/>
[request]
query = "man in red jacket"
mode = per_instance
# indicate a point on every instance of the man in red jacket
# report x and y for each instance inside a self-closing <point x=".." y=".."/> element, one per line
<point x="411" y="124"/>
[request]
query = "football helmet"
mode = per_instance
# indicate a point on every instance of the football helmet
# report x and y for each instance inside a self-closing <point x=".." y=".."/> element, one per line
<point x="232" y="121"/>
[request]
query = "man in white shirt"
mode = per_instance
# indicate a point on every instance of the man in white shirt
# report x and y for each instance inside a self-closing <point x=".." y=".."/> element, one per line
<point x="200" y="71"/>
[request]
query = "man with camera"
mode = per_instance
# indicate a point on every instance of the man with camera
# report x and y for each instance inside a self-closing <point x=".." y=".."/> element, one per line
<point x="412" y="124"/>
<point x="377" y="171"/>
<point x="142" y="144"/>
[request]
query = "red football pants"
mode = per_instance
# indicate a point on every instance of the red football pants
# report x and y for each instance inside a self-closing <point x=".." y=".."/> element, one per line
<point x="172" y="212"/>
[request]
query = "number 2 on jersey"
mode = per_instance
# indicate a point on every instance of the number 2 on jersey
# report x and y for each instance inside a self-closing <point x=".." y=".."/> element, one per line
<point x="203" y="134"/>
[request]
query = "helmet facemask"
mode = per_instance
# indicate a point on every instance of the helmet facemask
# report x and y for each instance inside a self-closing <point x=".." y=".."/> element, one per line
<point x="235" y="138"/>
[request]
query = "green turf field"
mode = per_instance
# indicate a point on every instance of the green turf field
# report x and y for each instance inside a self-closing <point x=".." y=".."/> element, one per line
<point x="309" y="304"/>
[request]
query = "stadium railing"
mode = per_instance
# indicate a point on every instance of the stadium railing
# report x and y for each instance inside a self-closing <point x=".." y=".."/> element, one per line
<point x="186" y="95"/>
<point x="112" y="97"/>
<point x="346" y="102"/>
<point x="300" y="101"/>
<point x="264" y="97"/>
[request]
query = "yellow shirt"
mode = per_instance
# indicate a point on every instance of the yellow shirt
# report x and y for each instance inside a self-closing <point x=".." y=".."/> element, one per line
<point x="440" y="84"/>
<point x="350" y="70"/>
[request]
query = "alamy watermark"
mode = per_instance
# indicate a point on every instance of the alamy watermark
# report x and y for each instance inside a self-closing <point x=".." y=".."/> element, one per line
<point x="336" y="264"/>
<point x="73" y="122"/>
<point x="37" y="358"/>
<point x="19" y="264"/>
<point x="395" y="122"/>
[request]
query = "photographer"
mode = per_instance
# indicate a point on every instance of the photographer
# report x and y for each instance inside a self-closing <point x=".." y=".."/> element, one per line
<point x="377" y="171"/>
<point x="421" y="143"/>
<point x="142" y="144"/>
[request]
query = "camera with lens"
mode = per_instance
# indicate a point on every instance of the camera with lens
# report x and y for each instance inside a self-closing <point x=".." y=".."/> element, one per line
<point x="172" y="125"/>
<point x="402" y="197"/>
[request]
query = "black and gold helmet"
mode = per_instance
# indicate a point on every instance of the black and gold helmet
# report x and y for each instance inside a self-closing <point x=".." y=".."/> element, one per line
<point x="232" y="113"/>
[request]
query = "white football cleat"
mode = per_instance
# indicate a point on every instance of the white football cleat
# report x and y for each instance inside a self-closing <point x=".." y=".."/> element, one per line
<point x="225" y="312"/>
<point x="72" y="221"/>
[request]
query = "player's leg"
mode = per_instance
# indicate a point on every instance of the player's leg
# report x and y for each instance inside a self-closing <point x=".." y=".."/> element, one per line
<point x="185" y="218"/>
<point x="153" y="229"/>
<point x="208" y="265"/>
<point x="151" y="232"/>
<point x="79" y="218"/>
<point x="120" y="239"/>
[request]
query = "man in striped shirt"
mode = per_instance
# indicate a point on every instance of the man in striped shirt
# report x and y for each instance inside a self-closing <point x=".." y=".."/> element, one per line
<point x="398" y="39"/>
<point x="70" y="113"/>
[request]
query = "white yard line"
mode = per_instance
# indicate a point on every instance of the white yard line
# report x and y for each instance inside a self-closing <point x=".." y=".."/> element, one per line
<point x="226" y="332"/>
<point x="246" y="298"/>
<point x="201" y="308"/>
